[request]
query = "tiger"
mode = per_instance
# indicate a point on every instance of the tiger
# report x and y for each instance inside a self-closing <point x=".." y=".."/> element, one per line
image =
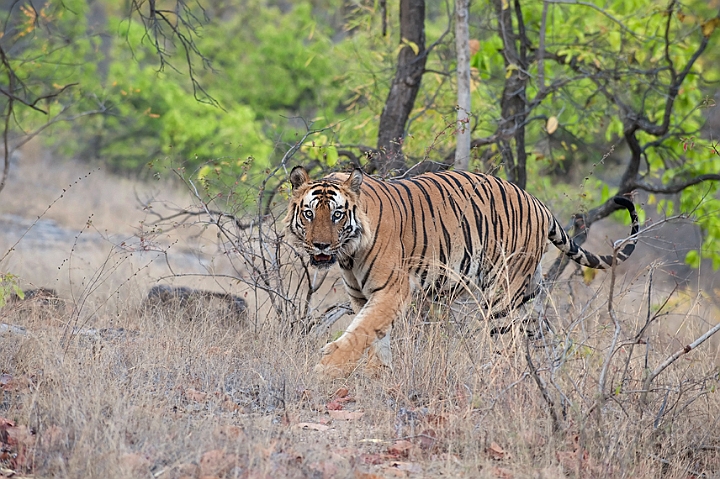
<point x="437" y="232"/>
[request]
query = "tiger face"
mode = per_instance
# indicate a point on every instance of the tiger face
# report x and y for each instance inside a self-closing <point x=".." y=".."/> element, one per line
<point x="324" y="218"/>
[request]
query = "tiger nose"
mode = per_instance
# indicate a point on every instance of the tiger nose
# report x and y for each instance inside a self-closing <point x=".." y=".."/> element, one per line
<point x="321" y="246"/>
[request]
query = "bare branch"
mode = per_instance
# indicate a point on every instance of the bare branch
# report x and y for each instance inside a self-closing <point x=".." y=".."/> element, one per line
<point x="541" y="46"/>
<point x="180" y="23"/>
<point x="675" y="187"/>
<point x="672" y="358"/>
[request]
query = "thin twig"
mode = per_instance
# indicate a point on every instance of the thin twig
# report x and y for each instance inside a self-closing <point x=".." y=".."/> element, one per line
<point x="672" y="358"/>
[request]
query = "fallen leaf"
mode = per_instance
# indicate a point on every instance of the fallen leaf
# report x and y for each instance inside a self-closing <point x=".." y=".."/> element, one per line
<point x="312" y="426"/>
<point x="401" y="448"/>
<point x="5" y="423"/>
<point x="21" y="384"/>
<point x="346" y="415"/>
<point x="495" y="451"/>
<point x="341" y="393"/>
<point x="195" y="395"/>
<point x="16" y="442"/>
<point x="333" y="406"/>
<point x="375" y="459"/>
<point x="20" y="436"/>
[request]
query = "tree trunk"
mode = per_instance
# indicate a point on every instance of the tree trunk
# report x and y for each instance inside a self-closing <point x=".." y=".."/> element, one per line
<point x="514" y="98"/>
<point x="405" y="86"/>
<point x="462" y="46"/>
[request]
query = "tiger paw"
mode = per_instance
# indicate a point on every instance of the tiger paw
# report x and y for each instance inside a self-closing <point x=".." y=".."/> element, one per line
<point x="329" y="349"/>
<point x="336" y="361"/>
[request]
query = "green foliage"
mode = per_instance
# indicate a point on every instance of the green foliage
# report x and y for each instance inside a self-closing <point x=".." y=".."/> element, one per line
<point x="8" y="286"/>
<point x="269" y="60"/>
<point x="154" y="114"/>
<point x="54" y="62"/>
<point x="279" y="70"/>
<point x="266" y="65"/>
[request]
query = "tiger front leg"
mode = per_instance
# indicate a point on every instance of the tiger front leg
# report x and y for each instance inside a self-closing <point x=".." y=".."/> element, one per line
<point x="369" y="329"/>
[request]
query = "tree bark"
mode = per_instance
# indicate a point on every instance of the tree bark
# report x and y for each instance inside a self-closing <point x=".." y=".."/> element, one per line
<point x="462" y="47"/>
<point x="514" y="98"/>
<point x="404" y="88"/>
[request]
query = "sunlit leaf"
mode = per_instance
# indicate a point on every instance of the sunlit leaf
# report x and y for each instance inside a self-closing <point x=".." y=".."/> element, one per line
<point x="331" y="156"/>
<point x="552" y="125"/>
<point x="204" y="172"/>
<point x="589" y="275"/>
<point x="709" y="27"/>
<point x="412" y="45"/>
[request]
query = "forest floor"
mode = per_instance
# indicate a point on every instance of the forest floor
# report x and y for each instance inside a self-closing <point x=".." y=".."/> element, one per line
<point x="101" y="383"/>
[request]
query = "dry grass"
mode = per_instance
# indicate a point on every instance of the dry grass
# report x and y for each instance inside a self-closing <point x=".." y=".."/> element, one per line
<point x="108" y="389"/>
<point x="166" y="396"/>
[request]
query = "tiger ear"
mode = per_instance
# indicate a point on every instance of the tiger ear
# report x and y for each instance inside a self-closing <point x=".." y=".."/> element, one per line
<point x="298" y="177"/>
<point x="355" y="180"/>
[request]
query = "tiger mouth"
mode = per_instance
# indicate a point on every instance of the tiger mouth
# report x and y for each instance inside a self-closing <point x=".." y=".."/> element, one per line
<point x="322" y="260"/>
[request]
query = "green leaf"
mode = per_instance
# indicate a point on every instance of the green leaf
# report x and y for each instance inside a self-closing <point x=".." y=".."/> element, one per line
<point x="475" y="61"/>
<point x="415" y="48"/>
<point x="204" y="172"/>
<point x="331" y="156"/>
<point x="693" y="258"/>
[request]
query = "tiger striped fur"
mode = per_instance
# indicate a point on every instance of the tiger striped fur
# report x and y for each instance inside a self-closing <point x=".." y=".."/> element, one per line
<point x="439" y="232"/>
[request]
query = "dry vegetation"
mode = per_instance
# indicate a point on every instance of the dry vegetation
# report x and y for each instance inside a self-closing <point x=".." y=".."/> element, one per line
<point x="100" y="386"/>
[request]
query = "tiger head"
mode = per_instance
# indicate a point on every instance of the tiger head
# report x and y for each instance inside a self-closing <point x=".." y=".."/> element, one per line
<point x="324" y="216"/>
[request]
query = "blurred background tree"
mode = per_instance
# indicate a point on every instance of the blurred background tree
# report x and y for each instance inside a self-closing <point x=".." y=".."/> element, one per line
<point x="579" y="100"/>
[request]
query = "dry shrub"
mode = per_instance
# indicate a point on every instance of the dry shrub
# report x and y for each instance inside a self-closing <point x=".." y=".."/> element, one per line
<point x="184" y="397"/>
<point x="109" y="388"/>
